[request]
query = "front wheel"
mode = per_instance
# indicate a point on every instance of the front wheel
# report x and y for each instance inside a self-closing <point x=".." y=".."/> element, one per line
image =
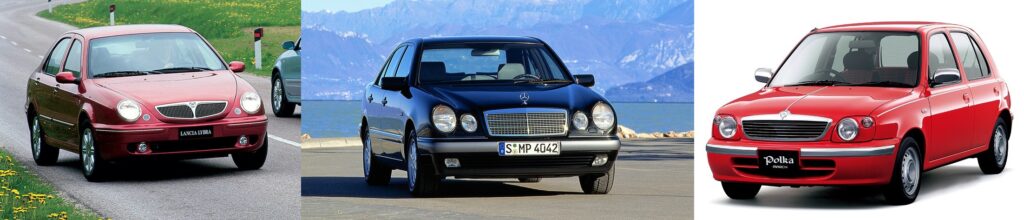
<point x="906" y="175"/>
<point x="94" y="168"/>
<point x="252" y="160"/>
<point x="42" y="153"/>
<point x="422" y="180"/>
<point x="279" y="101"/>
<point x="993" y="160"/>
<point x="374" y="172"/>
<point x="598" y="183"/>
<point x="740" y="190"/>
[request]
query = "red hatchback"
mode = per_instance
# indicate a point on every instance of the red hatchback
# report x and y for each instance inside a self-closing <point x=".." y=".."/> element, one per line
<point x="142" y="92"/>
<point x="860" y="104"/>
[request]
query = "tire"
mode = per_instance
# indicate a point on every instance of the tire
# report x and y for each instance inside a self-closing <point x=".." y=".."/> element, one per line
<point x="529" y="180"/>
<point x="374" y="172"/>
<point x="279" y="100"/>
<point x="422" y="182"/>
<point x="740" y="191"/>
<point x="906" y="175"/>
<point x="42" y="153"/>
<point x="94" y="168"/>
<point x="993" y="160"/>
<point x="598" y="183"/>
<point x="252" y="160"/>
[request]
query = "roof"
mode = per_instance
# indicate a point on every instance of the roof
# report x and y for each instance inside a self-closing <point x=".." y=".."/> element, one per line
<point x="477" y="39"/>
<point x="106" y="31"/>
<point x="885" y="26"/>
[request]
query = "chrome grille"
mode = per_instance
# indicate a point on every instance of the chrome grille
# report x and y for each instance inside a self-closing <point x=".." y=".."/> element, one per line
<point x="192" y="110"/>
<point x="792" y="130"/>
<point x="527" y="122"/>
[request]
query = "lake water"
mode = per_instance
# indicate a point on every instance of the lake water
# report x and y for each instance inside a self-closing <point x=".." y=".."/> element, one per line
<point x="324" y="119"/>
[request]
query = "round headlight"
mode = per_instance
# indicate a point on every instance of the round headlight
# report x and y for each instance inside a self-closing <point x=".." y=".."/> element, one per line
<point x="129" y="110"/>
<point x="444" y="118"/>
<point x="468" y="123"/>
<point x="847" y="129"/>
<point x="250" y="102"/>
<point x="867" y="122"/>
<point x="726" y="126"/>
<point x="580" y="121"/>
<point x="603" y="115"/>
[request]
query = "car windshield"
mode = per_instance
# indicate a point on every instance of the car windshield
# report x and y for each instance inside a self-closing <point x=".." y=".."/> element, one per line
<point x="152" y="53"/>
<point x="490" y="62"/>
<point x="885" y="59"/>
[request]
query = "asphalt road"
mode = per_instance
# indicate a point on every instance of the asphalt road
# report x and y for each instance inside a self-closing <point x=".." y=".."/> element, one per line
<point x="191" y="189"/>
<point x="653" y="180"/>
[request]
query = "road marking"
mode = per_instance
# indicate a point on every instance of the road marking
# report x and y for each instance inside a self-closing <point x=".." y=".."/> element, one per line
<point x="40" y="56"/>
<point x="15" y="43"/>
<point x="4" y="37"/>
<point x="26" y="50"/>
<point x="282" y="140"/>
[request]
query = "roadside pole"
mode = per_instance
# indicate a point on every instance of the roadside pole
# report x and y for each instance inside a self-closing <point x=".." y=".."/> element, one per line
<point x="112" y="8"/>
<point x="257" y="35"/>
<point x="49" y="6"/>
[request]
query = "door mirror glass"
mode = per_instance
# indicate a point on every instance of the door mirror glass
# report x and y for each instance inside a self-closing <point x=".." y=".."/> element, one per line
<point x="66" y="77"/>
<point x="586" y="80"/>
<point x="236" y="66"/>
<point x="288" y="45"/>
<point x="762" y="75"/>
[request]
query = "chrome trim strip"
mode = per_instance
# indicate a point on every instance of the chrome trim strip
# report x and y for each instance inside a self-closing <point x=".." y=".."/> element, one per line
<point x="847" y="152"/>
<point x="732" y="150"/>
<point x="157" y="108"/>
<point x="386" y="135"/>
<point x="247" y="123"/>
<point x="565" y="115"/>
<point x="435" y="146"/>
<point x="130" y="131"/>
<point x="55" y="120"/>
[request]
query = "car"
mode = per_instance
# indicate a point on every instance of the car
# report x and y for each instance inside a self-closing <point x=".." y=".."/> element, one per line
<point x="861" y="105"/>
<point x="141" y="92"/>
<point x="485" y="107"/>
<point x="286" y="80"/>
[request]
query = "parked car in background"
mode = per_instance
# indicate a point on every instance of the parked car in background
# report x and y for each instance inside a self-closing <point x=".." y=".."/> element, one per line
<point x="485" y="107"/>
<point x="866" y="104"/>
<point x="286" y="80"/>
<point x="142" y="92"/>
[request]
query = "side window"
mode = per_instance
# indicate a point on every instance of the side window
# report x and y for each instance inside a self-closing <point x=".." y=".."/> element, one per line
<point x="970" y="57"/>
<point x="940" y="57"/>
<point x="56" y="55"/>
<point x="74" y="60"/>
<point x="405" y="66"/>
<point x="388" y="65"/>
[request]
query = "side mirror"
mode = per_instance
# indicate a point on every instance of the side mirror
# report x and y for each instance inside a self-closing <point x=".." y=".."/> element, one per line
<point x="288" y="45"/>
<point x="394" y="83"/>
<point x="585" y="80"/>
<point x="945" y="76"/>
<point x="763" y="75"/>
<point x="66" y="77"/>
<point x="236" y="66"/>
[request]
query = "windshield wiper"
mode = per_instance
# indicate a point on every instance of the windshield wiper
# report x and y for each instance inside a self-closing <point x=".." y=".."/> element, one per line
<point x="123" y="73"/>
<point x="819" y="83"/>
<point x="182" y="69"/>
<point x="884" y="84"/>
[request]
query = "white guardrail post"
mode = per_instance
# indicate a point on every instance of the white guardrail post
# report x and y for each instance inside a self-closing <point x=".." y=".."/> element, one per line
<point x="112" y="9"/>
<point x="258" y="58"/>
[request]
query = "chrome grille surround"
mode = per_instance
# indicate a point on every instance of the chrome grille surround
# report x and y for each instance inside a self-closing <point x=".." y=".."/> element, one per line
<point x="527" y="122"/>
<point x="192" y="109"/>
<point x="773" y="127"/>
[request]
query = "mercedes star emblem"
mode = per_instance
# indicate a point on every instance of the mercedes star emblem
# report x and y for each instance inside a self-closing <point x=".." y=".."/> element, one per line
<point x="525" y="97"/>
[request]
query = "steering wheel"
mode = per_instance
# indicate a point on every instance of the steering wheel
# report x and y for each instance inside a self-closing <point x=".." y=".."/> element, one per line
<point x="522" y="76"/>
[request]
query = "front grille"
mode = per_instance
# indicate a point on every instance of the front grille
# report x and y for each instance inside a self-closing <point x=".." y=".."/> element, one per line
<point x="192" y="110"/>
<point x="791" y="130"/>
<point x="527" y="122"/>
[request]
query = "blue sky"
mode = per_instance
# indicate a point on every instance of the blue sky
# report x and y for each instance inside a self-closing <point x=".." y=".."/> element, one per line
<point x="342" y="5"/>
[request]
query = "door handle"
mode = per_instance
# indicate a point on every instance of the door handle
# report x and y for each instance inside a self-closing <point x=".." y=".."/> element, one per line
<point x="967" y="98"/>
<point x="385" y="101"/>
<point x="370" y="99"/>
<point x="995" y="90"/>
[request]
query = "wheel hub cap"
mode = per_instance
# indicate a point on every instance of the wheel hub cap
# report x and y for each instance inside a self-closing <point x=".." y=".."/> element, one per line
<point x="37" y="142"/>
<point x="411" y="164"/>
<point x="88" y="151"/>
<point x="911" y="171"/>
<point x="366" y="157"/>
<point x="277" y="95"/>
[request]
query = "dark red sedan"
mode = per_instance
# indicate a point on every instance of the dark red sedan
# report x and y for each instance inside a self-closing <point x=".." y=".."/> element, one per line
<point x="142" y="92"/>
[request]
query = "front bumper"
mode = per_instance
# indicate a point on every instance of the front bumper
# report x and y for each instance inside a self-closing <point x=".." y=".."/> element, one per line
<point x="116" y="142"/>
<point x="479" y="158"/>
<point x="820" y="163"/>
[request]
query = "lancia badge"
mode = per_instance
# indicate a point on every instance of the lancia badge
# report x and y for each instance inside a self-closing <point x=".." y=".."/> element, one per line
<point x="784" y="114"/>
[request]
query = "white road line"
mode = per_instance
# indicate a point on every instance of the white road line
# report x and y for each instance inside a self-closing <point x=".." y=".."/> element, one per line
<point x="26" y="50"/>
<point x="282" y="140"/>
<point x="15" y="43"/>
<point x="4" y="37"/>
<point x="40" y="56"/>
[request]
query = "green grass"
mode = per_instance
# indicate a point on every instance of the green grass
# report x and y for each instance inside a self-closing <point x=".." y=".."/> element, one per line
<point x="24" y="196"/>
<point x="227" y="25"/>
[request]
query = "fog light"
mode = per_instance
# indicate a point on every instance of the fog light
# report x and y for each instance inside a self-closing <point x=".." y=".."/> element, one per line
<point x="243" y="140"/>
<point x="142" y="148"/>
<point x="600" y="160"/>
<point x="452" y="163"/>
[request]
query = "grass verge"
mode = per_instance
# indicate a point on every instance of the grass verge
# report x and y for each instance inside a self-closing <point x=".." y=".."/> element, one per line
<point x="228" y="25"/>
<point x="24" y="196"/>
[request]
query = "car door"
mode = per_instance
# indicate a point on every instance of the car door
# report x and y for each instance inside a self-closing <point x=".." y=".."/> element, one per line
<point x="985" y="89"/>
<point x="949" y="102"/>
<point x="291" y="72"/>
<point x="66" y="95"/>
<point x="397" y="103"/>
<point x="44" y="85"/>
<point x="382" y="140"/>
<point x="390" y="123"/>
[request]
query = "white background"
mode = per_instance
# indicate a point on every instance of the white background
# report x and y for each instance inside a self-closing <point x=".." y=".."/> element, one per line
<point x="735" y="37"/>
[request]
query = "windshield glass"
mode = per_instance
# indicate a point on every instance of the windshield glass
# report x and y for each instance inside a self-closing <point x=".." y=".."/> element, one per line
<point x="154" y="53"/>
<point x="887" y="59"/>
<point x="489" y="62"/>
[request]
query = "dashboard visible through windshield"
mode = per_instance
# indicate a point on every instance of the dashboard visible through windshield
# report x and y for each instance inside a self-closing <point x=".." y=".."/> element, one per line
<point x="887" y="59"/>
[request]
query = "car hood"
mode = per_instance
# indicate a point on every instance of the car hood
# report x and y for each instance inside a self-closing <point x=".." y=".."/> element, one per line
<point x="159" y="89"/>
<point x="487" y="97"/>
<point x="826" y="101"/>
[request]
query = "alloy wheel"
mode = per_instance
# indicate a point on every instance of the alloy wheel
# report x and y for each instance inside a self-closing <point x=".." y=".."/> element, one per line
<point x="367" y="154"/>
<point x="277" y="96"/>
<point x="88" y="151"/>
<point x="37" y="138"/>
<point x="411" y="164"/>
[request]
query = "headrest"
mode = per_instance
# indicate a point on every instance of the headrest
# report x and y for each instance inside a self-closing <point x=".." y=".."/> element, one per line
<point x="511" y="70"/>
<point x="914" y="60"/>
<point x="432" y="71"/>
<point x="858" y="60"/>
<point x="863" y="44"/>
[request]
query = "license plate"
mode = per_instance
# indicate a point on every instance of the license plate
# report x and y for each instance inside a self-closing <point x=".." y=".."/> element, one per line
<point x="198" y="132"/>
<point x="529" y="148"/>
<point x="776" y="160"/>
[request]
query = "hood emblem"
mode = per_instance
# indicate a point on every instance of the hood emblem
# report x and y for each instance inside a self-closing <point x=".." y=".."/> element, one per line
<point x="524" y="97"/>
<point x="784" y="114"/>
<point x="193" y="105"/>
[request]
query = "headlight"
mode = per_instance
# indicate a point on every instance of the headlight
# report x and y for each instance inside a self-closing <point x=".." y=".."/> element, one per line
<point x="468" y="123"/>
<point x="867" y="122"/>
<point x="847" y="129"/>
<point x="129" y="110"/>
<point x="726" y="125"/>
<point x="250" y="102"/>
<point x="444" y="118"/>
<point x="580" y="121"/>
<point x="603" y="115"/>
